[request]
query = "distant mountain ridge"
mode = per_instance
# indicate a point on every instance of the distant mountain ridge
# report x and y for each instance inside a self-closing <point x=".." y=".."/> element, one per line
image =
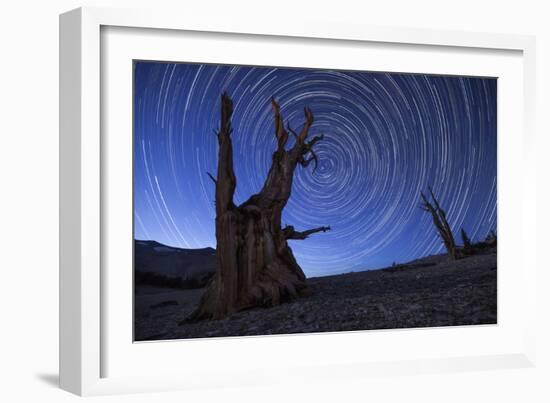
<point x="159" y="264"/>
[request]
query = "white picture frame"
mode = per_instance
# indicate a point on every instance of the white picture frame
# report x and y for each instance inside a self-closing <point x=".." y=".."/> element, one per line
<point x="87" y="342"/>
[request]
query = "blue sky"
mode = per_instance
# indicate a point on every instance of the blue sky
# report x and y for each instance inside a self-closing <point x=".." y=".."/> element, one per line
<point x="387" y="137"/>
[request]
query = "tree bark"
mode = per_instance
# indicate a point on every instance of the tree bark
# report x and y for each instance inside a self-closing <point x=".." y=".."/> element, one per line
<point x="465" y="239"/>
<point x="439" y="218"/>
<point x="255" y="265"/>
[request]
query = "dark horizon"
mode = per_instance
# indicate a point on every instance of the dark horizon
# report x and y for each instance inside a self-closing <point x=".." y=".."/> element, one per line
<point x="357" y="270"/>
<point x="388" y="136"/>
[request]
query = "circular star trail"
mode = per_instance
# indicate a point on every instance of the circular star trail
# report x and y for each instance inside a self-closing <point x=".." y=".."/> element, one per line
<point x="387" y="137"/>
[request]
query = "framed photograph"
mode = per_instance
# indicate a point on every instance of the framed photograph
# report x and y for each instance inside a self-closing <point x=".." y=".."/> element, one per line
<point x="238" y="196"/>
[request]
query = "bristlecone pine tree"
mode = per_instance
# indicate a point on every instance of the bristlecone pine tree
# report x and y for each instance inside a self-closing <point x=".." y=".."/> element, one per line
<point x="465" y="239"/>
<point x="442" y="225"/>
<point x="255" y="265"/>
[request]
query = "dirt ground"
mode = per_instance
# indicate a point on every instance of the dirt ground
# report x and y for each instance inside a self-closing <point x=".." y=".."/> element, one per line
<point x="429" y="292"/>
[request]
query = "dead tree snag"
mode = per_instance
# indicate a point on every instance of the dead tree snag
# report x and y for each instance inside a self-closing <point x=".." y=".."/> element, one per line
<point x="256" y="266"/>
<point x="439" y="218"/>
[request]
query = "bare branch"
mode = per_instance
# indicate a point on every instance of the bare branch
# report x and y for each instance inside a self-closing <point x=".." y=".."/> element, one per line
<point x="307" y="148"/>
<point x="226" y="112"/>
<point x="280" y="132"/>
<point x="305" y="162"/>
<point x="314" y="140"/>
<point x="437" y="206"/>
<point x="291" y="130"/>
<point x="211" y="177"/>
<point x="290" y="233"/>
<point x="307" y="125"/>
<point x="427" y="207"/>
<point x="465" y="239"/>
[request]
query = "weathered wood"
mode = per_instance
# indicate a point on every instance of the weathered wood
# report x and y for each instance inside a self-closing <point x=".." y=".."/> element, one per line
<point x="465" y="239"/>
<point x="255" y="265"/>
<point x="290" y="233"/>
<point x="439" y="218"/>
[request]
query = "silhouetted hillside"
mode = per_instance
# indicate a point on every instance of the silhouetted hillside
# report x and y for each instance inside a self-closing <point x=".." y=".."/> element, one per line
<point x="166" y="266"/>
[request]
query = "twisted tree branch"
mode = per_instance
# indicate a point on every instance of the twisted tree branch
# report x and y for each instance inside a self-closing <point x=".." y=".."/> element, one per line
<point x="290" y="233"/>
<point x="280" y="133"/>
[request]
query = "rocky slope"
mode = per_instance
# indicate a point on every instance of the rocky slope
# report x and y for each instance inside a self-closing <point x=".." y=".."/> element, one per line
<point x="158" y="264"/>
<point x="433" y="291"/>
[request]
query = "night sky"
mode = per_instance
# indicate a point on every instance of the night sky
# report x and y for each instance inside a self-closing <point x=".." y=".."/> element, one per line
<point x="388" y="136"/>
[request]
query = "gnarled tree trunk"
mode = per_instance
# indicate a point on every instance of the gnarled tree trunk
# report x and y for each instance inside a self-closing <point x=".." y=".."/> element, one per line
<point x="442" y="225"/>
<point x="256" y="266"/>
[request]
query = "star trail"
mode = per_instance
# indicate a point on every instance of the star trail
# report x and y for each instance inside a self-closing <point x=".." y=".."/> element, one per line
<point x="387" y="136"/>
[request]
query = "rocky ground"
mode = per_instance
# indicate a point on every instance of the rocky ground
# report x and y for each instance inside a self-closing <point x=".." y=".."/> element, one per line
<point x="429" y="292"/>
